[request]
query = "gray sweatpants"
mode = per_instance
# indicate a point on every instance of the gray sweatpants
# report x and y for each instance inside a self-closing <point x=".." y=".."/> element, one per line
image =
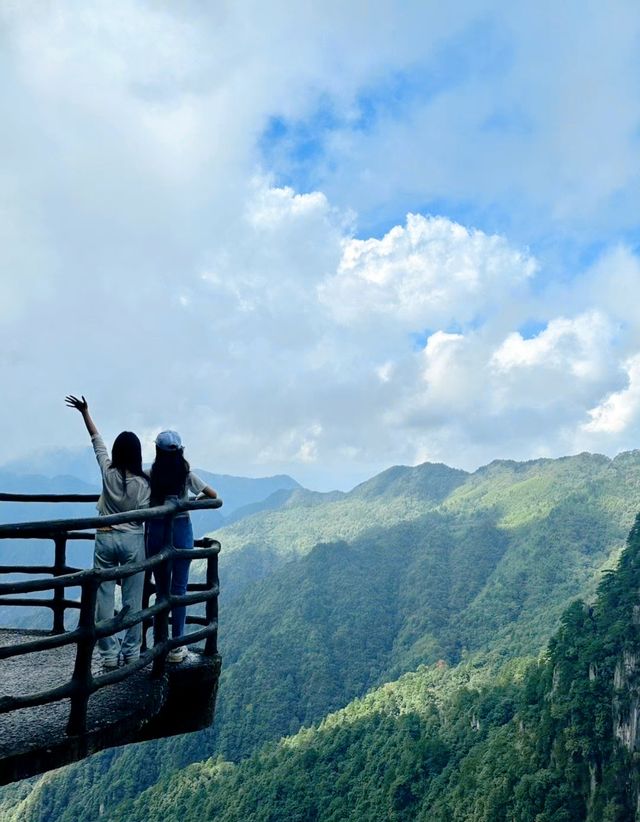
<point x="115" y="548"/>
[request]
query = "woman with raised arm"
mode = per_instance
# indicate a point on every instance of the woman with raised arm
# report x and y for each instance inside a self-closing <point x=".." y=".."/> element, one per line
<point x="125" y="487"/>
<point x="172" y="478"/>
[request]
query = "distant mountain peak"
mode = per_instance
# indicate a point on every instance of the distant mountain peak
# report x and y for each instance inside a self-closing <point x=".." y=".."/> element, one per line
<point x="431" y="480"/>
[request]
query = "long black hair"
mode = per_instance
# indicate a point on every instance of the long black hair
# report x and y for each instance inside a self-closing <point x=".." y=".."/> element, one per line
<point x="126" y="455"/>
<point x="169" y="475"/>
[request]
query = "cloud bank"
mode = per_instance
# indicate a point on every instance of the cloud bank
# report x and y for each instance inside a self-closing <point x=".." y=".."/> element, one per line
<point x="152" y="259"/>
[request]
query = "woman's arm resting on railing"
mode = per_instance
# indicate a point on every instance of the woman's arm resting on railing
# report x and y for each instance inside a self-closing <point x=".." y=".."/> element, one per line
<point x="199" y="487"/>
<point x="207" y="491"/>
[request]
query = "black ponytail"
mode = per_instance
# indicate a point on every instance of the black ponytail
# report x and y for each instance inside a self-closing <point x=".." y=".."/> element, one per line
<point x="126" y="455"/>
<point x="169" y="475"/>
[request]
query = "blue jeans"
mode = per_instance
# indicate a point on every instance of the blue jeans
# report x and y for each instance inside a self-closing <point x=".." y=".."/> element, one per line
<point x="172" y="576"/>
<point x="113" y="548"/>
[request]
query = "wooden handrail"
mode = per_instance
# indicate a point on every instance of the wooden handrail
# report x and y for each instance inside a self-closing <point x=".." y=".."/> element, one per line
<point x="48" y="527"/>
<point x="49" y="497"/>
<point x="44" y="603"/>
<point x="105" y="574"/>
<point x="83" y="683"/>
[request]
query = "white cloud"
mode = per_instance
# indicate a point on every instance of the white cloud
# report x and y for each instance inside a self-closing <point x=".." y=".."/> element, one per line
<point x="385" y="371"/>
<point x="479" y="395"/>
<point x="621" y="408"/>
<point x="547" y="146"/>
<point x="452" y="372"/>
<point x="431" y="272"/>
<point x="612" y="283"/>
<point x="253" y="362"/>
<point x="147" y="261"/>
<point x="576" y="349"/>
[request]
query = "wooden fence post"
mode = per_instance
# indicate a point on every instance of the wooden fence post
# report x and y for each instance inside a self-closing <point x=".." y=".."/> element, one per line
<point x="82" y="670"/>
<point x="59" y="563"/>
<point x="211" y="606"/>
<point x="161" y="621"/>
<point x="147" y="590"/>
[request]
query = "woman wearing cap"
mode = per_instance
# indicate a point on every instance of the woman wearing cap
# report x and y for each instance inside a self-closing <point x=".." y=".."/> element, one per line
<point x="125" y="487"/>
<point x="171" y="477"/>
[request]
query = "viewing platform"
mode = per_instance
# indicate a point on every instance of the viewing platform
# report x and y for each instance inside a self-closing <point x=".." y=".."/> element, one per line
<point x="56" y="705"/>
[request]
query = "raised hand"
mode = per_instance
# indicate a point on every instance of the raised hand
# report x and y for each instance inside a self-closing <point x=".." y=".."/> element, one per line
<point x="80" y="405"/>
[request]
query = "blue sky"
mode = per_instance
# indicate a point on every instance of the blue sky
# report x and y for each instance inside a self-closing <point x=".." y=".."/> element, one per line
<point x="482" y="56"/>
<point x="296" y="149"/>
<point x="322" y="239"/>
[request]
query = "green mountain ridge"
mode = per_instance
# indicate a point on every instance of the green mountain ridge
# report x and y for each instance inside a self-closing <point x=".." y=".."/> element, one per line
<point x="517" y="491"/>
<point x="520" y="490"/>
<point x="334" y="596"/>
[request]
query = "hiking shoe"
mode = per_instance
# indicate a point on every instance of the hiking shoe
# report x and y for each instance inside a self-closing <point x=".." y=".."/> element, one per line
<point x="109" y="665"/>
<point x="177" y="655"/>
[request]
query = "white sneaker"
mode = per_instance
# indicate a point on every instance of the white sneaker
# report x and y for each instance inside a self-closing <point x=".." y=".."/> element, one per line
<point x="177" y="655"/>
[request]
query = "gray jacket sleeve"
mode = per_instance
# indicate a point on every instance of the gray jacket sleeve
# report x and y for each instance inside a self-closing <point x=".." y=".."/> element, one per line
<point x="100" y="449"/>
<point x="194" y="483"/>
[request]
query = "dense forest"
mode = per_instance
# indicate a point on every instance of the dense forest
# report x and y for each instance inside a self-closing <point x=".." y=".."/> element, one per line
<point x="411" y="650"/>
<point x="550" y="740"/>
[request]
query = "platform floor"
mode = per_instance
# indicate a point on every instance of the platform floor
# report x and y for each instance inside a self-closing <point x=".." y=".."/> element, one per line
<point x="34" y="740"/>
<point x="33" y="728"/>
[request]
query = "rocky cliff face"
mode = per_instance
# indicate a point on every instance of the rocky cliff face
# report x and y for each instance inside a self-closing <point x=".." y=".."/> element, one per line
<point x="626" y="701"/>
<point x="592" y="708"/>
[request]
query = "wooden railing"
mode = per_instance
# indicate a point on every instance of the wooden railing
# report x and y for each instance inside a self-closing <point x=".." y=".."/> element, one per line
<point x="83" y="683"/>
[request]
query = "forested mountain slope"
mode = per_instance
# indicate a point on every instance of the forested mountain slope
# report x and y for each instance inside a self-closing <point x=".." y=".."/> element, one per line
<point x="417" y="566"/>
<point x="553" y="740"/>
<point x="309" y="517"/>
<point x="517" y="495"/>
